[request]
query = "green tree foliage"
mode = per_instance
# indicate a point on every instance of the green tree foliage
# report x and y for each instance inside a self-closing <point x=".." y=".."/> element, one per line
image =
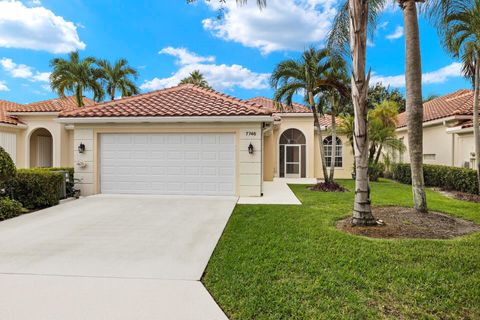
<point x="196" y="78"/>
<point x="378" y="93"/>
<point x="118" y="77"/>
<point x="76" y="75"/>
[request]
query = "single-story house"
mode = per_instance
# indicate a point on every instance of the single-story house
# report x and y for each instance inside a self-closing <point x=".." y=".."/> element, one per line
<point x="447" y="130"/>
<point x="180" y="140"/>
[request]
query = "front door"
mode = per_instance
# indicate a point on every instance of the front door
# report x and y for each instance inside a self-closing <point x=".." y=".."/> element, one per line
<point x="292" y="161"/>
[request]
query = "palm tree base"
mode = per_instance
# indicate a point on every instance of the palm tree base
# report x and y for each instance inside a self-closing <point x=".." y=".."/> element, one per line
<point x="363" y="219"/>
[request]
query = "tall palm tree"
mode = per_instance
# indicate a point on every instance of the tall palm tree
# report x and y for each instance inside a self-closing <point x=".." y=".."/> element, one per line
<point x="76" y="76"/>
<point x="354" y="20"/>
<point x="118" y="77"/>
<point x="196" y="78"/>
<point x="462" y="39"/>
<point x="309" y="75"/>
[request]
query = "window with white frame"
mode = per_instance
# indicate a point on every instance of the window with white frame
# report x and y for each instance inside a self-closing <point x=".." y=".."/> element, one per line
<point x="328" y="146"/>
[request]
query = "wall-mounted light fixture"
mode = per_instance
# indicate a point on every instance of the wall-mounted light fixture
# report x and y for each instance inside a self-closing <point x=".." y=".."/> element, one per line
<point x="81" y="148"/>
<point x="250" y="148"/>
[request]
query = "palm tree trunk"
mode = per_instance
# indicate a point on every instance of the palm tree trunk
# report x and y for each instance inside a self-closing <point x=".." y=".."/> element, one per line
<point x="79" y="96"/>
<point x="316" y="123"/>
<point x="112" y="94"/>
<point x="476" y="129"/>
<point x="379" y="152"/>
<point x="334" y="144"/>
<point x="358" y="14"/>
<point x="413" y="79"/>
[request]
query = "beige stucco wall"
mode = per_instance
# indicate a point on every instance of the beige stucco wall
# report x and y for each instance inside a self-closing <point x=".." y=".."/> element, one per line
<point x="313" y="163"/>
<point x="464" y="146"/>
<point x="248" y="167"/>
<point x="436" y="141"/>
<point x="61" y="137"/>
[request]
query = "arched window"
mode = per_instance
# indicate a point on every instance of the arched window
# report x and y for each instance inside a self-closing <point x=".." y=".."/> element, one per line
<point x="327" y="144"/>
<point x="292" y="154"/>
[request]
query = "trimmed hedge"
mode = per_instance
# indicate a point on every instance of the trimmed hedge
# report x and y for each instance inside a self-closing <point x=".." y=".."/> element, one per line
<point x="10" y="208"/>
<point x="36" y="188"/>
<point x="450" y="178"/>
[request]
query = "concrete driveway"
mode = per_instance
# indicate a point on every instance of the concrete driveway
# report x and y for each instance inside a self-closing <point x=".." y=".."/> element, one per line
<point x="112" y="257"/>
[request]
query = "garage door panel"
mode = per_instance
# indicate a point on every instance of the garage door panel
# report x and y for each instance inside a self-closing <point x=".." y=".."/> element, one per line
<point x="173" y="163"/>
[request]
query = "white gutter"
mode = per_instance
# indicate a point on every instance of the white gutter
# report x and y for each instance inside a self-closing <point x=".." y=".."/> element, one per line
<point x="33" y="113"/>
<point x="294" y="114"/>
<point x="459" y="129"/>
<point x="438" y="121"/>
<point x="14" y="126"/>
<point x="164" y="119"/>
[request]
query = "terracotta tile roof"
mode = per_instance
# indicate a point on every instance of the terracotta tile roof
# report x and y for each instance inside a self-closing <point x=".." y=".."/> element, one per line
<point x="52" y="105"/>
<point x="272" y="106"/>
<point x="180" y="101"/>
<point x="275" y="107"/>
<point x="457" y="103"/>
<point x="4" y="117"/>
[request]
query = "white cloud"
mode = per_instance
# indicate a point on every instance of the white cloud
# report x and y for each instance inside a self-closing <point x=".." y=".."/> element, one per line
<point x="282" y="25"/>
<point x="23" y="71"/>
<point x="397" y="34"/>
<point x="441" y="75"/>
<point x="3" y="86"/>
<point x="219" y="76"/>
<point x="36" y="28"/>
<point x="185" y="57"/>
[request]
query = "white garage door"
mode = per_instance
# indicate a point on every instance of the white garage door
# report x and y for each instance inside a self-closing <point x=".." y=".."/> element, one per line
<point x="173" y="163"/>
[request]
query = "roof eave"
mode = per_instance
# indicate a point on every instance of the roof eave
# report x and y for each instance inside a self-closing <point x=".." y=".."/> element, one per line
<point x="13" y="126"/>
<point x="93" y="120"/>
<point x="33" y="113"/>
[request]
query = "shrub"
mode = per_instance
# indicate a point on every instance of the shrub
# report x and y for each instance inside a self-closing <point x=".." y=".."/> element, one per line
<point x="36" y="188"/>
<point x="10" y="208"/>
<point x="375" y="171"/>
<point x="71" y="173"/>
<point x="7" y="167"/>
<point x="449" y="178"/>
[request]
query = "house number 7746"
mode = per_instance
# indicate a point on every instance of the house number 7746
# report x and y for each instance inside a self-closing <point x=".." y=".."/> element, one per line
<point x="250" y="133"/>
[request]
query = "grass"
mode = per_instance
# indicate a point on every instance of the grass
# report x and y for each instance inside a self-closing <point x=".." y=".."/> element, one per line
<point x="290" y="262"/>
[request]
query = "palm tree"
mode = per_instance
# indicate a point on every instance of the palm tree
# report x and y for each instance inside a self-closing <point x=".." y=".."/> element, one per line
<point x="462" y="39"/>
<point x="196" y="78"/>
<point x="76" y="75"/>
<point x="310" y="75"/>
<point x="117" y="77"/>
<point x="382" y="122"/>
<point x="354" y="20"/>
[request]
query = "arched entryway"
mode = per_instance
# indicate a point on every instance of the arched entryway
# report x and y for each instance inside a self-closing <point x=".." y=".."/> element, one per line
<point x="41" y="148"/>
<point x="292" y="154"/>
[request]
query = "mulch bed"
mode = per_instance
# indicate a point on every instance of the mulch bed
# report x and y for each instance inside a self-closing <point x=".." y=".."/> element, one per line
<point x="401" y="222"/>
<point x="328" y="187"/>
<point x="460" y="195"/>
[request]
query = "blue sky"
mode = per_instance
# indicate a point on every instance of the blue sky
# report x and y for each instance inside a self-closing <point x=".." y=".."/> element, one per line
<point x="165" y="40"/>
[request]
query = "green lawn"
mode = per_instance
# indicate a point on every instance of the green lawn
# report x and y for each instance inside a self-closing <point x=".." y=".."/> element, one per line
<point x="290" y="262"/>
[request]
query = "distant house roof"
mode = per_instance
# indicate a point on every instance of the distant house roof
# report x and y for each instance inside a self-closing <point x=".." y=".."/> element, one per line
<point x="276" y="107"/>
<point x="457" y="103"/>
<point x="4" y="117"/>
<point x="180" y="101"/>
<point x="52" y="105"/>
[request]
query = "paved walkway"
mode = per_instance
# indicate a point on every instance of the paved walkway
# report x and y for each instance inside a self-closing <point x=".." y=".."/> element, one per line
<point x="277" y="192"/>
<point x="112" y="257"/>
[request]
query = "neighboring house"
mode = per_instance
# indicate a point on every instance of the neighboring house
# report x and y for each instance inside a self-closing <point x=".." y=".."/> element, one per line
<point x="447" y="130"/>
<point x="33" y="137"/>
<point x="181" y="140"/>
